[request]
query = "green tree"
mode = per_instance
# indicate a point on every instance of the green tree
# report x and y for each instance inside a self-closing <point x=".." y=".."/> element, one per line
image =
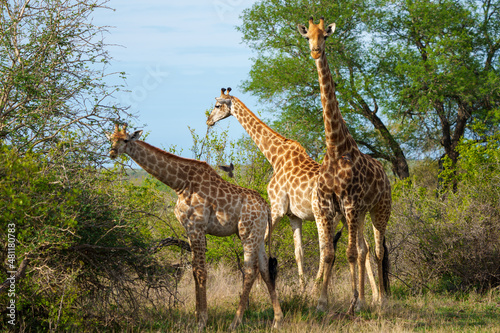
<point x="53" y="64"/>
<point x="284" y="72"/>
<point x="450" y="242"/>
<point x="82" y="232"/>
<point x="440" y="63"/>
<point x="410" y="75"/>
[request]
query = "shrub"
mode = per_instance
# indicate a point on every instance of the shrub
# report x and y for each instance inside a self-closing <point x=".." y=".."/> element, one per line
<point x="82" y="236"/>
<point x="449" y="240"/>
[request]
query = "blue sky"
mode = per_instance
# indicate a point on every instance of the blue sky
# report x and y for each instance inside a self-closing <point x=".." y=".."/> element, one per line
<point x="177" y="56"/>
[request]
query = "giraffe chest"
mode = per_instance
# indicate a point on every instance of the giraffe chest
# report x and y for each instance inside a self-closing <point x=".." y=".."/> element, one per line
<point x="293" y="185"/>
<point x="358" y="184"/>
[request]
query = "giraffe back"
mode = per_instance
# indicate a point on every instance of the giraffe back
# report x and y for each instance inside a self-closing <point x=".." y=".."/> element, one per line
<point x="222" y="207"/>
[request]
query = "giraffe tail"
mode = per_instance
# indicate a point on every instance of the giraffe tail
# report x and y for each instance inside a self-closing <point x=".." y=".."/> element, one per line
<point x="273" y="270"/>
<point x="273" y="262"/>
<point x="385" y="270"/>
<point x="335" y="241"/>
<point x="337" y="237"/>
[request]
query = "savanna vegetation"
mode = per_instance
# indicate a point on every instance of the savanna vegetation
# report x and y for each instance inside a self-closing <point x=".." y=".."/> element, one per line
<point x="419" y="87"/>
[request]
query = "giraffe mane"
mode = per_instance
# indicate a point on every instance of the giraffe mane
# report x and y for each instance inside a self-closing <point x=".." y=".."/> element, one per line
<point x="285" y="140"/>
<point x="258" y="120"/>
<point x="179" y="158"/>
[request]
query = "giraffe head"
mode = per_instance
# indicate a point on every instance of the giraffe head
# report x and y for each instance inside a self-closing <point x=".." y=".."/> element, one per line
<point x="222" y="107"/>
<point x="120" y="139"/>
<point x="316" y="35"/>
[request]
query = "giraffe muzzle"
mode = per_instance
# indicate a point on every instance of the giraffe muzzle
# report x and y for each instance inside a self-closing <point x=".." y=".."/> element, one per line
<point x="315" y="54"/>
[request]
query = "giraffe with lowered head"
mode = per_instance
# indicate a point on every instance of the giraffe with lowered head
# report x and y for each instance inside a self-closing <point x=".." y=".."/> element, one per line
<point x="292" y="188"/>
<point x="356" y="180"/>
<point x="207" y="204"/>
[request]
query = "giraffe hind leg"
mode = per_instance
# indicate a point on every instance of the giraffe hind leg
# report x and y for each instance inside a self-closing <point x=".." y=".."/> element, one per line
<point x="363" y="263"/>
<point x="352" y="255"/>
<point x="382" y="259"/>
<point x="266" y="266"/>
<point x="200" y="278"/>
<point x="371" y="276"/>
<point x="250" y="269"/>
<point x="296" y="224"/>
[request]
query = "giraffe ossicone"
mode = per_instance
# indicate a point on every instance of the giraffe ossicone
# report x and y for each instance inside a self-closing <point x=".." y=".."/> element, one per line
<point x="207" y="204"/>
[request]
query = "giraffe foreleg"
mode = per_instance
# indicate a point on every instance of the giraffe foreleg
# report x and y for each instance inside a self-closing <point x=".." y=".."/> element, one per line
<point x="382" y="260"/>
<point x="200" y="279"/>
<point x="321" y="269"/>
<point x="380" y="216"/>
<point x="362" y="258"/>
<point x="352" y="256"/>
<point x="371" y="276"/>
<point x="326" y="222"/>
<point x="327" y="256"/>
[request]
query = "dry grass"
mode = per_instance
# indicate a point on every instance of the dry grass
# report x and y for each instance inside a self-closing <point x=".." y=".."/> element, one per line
<point x="421" y="313"/>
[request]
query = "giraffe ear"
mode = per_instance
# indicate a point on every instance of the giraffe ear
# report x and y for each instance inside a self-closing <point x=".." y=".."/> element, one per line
<point x="330" y="30"/>
<point x="228" y="169"/>
<point x="302" y="30"/>
<point x="136" y="135"/>
<point x="109" y="136"/>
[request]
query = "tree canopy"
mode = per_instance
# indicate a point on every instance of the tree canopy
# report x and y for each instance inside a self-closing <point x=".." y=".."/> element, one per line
<point x="78" y="233"/>
<point x="53" y="63"/>
<point x="411" y="76"/>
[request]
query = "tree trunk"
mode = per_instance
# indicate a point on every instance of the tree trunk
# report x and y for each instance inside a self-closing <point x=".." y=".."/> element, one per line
<point x="397" y="159"/>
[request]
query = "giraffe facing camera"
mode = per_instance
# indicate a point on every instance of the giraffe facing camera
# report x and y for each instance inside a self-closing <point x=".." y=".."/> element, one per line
<point x="356" y="180"/>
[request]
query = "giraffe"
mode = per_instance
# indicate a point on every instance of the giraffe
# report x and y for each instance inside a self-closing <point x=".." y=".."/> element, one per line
<point x="207" y="204"/>
<point x="357" y="180"/>
<point x="291" y="190"/>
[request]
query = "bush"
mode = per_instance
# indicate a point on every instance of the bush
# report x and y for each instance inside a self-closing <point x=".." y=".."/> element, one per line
<point x="83" y="238"/>
<point x="449" y="240"/>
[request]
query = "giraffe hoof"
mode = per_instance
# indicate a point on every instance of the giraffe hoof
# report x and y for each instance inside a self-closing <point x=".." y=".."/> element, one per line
<point x="201" y="326"/>
<point x="236" y="322"/>
<point x="202" y="322"/>
<point x="322" y="306"/>
<point x="360" y="304"/>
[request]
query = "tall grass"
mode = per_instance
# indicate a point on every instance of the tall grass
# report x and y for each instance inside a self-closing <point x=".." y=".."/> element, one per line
<point x="428" y="312"/>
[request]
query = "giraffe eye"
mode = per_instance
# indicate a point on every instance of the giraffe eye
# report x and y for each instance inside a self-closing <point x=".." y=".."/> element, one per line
<point x="217" y="106"/>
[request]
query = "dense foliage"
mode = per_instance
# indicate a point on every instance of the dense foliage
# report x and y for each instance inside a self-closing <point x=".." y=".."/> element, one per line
<point x="83" y="242"/>
<point x="445" y="239"/>
<point x="410" y="75"/>
<point x="76" y="236"/>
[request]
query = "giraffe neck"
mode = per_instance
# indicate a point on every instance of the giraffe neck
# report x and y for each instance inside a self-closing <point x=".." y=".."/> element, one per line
<point x="338" y="139"/>
<point x="270" y="143"/>
<point x="166" y="167"/>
